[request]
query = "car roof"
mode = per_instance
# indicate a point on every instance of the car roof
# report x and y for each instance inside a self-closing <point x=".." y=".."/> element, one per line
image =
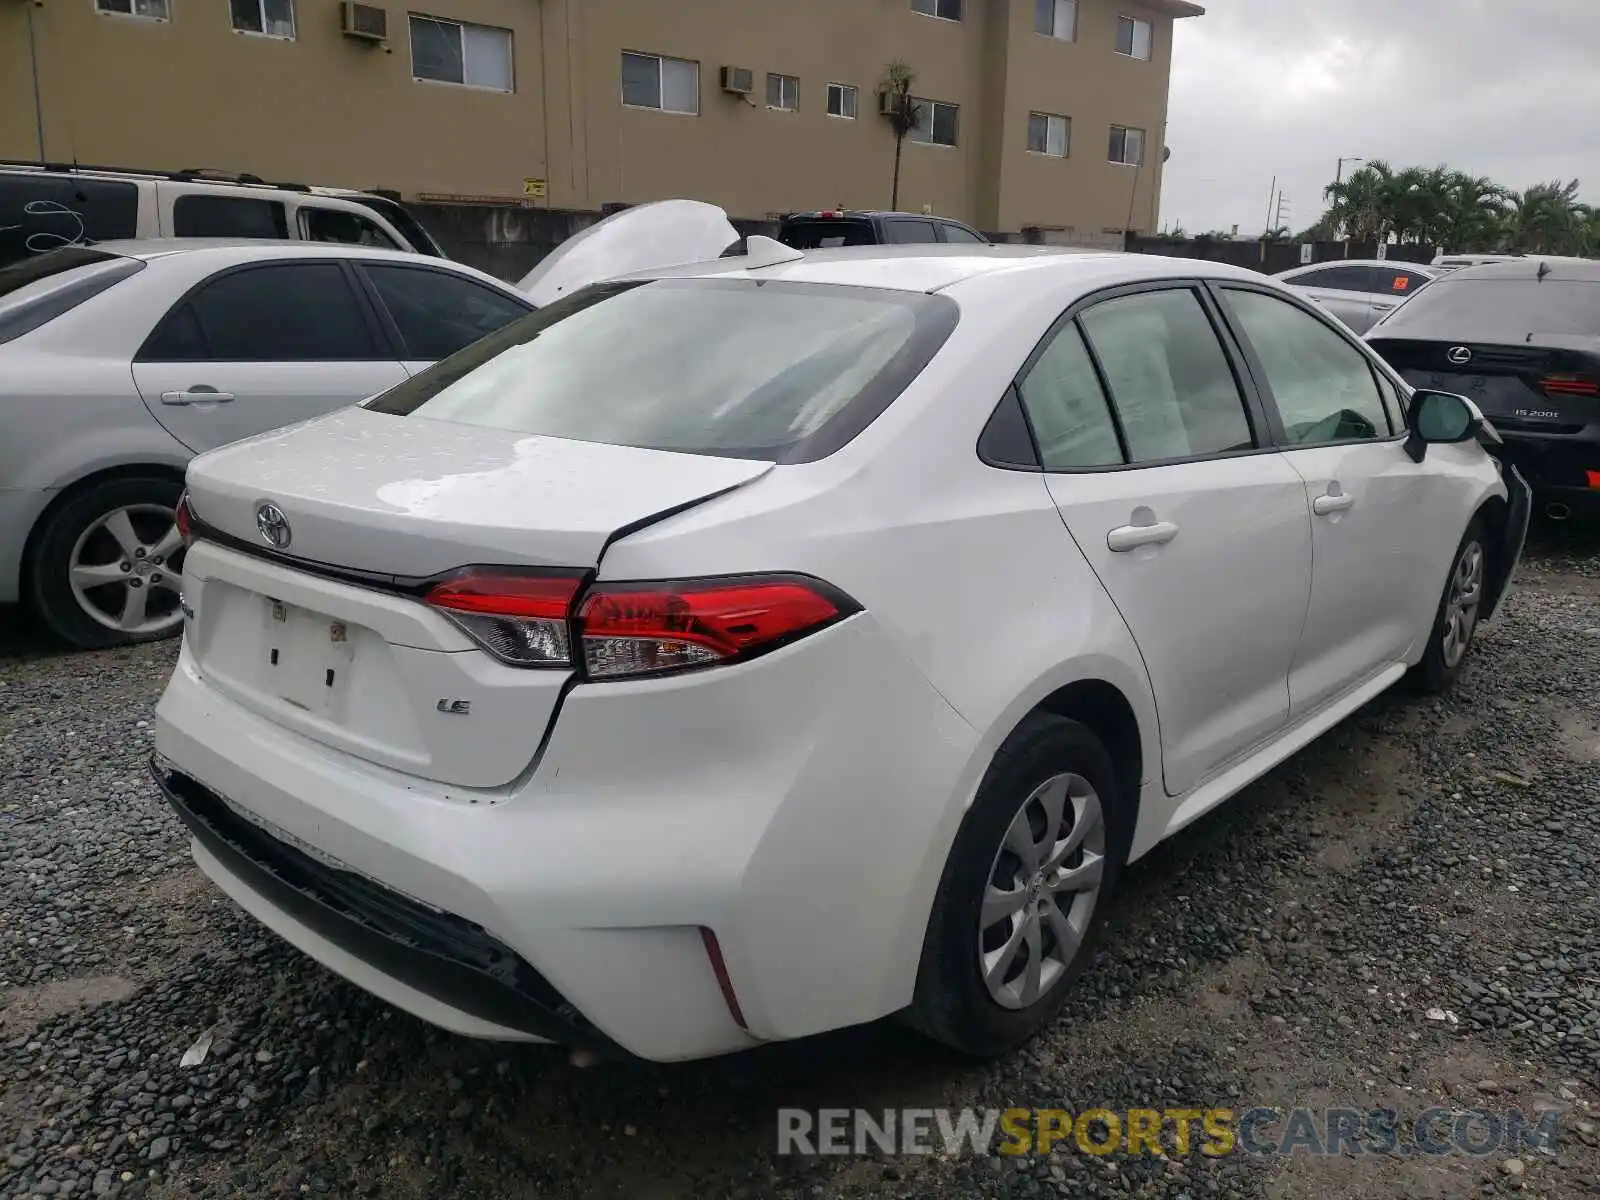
<point x="862" y="214"/>
<point x="1554" y="267"/>
<point x="933" y="268"/>
<point x="246" y="250"/>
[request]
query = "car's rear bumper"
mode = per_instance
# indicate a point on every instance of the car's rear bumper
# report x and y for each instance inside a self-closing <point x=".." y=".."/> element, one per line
<point x="799" y="807"/>
<point x="1561" y="469"/>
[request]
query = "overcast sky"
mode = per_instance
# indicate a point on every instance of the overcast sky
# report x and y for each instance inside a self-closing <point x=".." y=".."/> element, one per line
<point x="1505" y="88"/>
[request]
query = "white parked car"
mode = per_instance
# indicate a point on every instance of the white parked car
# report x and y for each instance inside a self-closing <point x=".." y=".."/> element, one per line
<point x="1360" y="292"/>
<point x="121" y="360"/>
<point x="741" y="651"/>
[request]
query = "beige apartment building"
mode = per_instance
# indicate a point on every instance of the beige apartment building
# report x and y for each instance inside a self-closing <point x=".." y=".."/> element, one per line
<point x="1035" y="113"/>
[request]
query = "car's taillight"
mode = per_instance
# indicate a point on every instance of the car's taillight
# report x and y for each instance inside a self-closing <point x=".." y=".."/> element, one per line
<point x="530" y="619"/>
<point x="183" y="518"/>
<point x="1569" y="385"/>
<point x="629" y="629"/>
<point x="519" y="617"/>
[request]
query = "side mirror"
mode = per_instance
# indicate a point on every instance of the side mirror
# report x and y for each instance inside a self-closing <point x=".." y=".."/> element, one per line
<point x="1440" y="418"/>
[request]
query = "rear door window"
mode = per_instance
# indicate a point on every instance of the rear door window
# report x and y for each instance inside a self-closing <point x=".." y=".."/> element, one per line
<point x="202" y="215"/>
<point x="1338" y="279"/>
<point x="1174" y="392"/>
<point x="278" y="312"/>
<point x="959" y="233"/>
<point x="903" y="230"/>
<point x="40" y="212"/>
<point x="1067" y="408"/>
<point x="438" y="313"/>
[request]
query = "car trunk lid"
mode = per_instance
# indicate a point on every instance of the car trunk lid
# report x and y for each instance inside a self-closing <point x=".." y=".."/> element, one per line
<point x="323" y="630"/>
<point x="1547" y="384"/>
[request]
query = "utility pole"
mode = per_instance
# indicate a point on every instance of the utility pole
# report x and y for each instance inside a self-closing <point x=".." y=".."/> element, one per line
<point x="1338" y="176"/>
<point x="1272" y="200"/>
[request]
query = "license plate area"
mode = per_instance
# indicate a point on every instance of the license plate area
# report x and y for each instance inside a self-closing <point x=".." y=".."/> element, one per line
<point x="308" y="658"/>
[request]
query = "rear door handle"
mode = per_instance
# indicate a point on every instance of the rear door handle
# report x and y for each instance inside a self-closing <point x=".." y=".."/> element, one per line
<point x="1130" y="537"/>
<point x="1333" y="502"/>
<point x="197" y="395"/>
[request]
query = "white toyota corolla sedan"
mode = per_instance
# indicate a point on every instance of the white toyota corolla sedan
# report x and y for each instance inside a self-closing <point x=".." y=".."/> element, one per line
<point x="750" y="649"/>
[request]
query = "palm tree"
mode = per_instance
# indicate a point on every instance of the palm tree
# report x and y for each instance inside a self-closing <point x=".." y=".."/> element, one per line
<point x="902" y="113"/>
<point x="1547" y="218"/>
<point x="1474" y="213"/>
<point x="1361" y="204"/>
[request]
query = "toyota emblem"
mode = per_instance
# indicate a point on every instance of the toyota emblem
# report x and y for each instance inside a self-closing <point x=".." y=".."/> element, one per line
<point x="1459" y="355"/>
<point x="274" y="526"/>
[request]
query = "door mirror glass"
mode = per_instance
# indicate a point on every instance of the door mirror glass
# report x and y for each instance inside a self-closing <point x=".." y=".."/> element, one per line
<point x="1443" y="417"/>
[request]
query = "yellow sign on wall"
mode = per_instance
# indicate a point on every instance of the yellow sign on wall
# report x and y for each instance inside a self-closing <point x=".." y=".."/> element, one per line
<point x="534" y="188"/>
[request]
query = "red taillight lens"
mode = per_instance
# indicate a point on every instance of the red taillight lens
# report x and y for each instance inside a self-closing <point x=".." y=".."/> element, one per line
<point x="520" y="618"/>
<point x="644" y="629"/>
<point x="183" y="518"/>
<point x="1570" y="385"/>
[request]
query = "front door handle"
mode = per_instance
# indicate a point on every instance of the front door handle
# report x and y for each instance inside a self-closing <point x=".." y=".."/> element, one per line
<point x="1130" y="537"/>
<point x="1333" y="502"/>
<point x="197" y="395"/>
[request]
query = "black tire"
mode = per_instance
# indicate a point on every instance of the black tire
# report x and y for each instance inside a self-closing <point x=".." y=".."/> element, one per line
<point x="953" y="1005"/>
<point x="49" y="561"/>
<point x="1436" y="673"/>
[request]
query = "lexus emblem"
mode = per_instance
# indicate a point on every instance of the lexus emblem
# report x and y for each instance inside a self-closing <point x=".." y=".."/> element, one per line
<point x="274" y="526"/>
<point x="1459" y="355"/>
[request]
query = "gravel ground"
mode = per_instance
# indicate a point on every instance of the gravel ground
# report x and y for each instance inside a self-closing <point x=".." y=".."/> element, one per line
<point x="1441" y="855"/>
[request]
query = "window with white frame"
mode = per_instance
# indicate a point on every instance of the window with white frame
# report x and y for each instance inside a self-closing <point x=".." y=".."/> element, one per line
<point x="1134" y="37"/>
<point x="1049" y="134"/>
<point x="1127" y="146"/>
<point x="669" y="84"/>
<point x="274" y="18"/>
<point x="155" y="10"/>
<point x="783" y="92"/>
<point x="949" y="10"/>
<point x="1056" y="18"/>
<point x="938" y="123"/>
<point x="842" y="100"/>
<point x="453" y="52"/>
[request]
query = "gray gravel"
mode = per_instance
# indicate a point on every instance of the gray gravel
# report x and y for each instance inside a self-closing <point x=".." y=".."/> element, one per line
<point x="1426" y="855"/>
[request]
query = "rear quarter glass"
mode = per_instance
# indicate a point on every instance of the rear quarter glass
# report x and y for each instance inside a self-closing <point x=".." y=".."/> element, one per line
<point x="769" y="370"/>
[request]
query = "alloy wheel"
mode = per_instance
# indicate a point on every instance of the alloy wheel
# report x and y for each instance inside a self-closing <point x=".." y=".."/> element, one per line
<point x="1041" y="891"/>
<point x="1461" y="603"/>
<point x="126" y="570"/>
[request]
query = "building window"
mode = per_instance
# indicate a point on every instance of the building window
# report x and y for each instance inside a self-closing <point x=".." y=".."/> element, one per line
<point x="1056" y="18"/>
<point x="1048" y="134"/>
<point x="946" y="10"/>
<point x="1127" y="146"/>
<point x="669" y="84"/>
<point x="1134" y="37"/>
<point x="938" y="123"/>
<point x="451" y="52"/>
<point x="783" y="93"/>
<point x="155" y="10"/>
<point x="274" y="18"/>
<point x="842" y="100"/>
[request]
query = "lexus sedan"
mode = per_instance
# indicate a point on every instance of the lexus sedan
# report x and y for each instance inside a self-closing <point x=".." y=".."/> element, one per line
<point x="733" y="652"/>
<point x="1521" y="340"/>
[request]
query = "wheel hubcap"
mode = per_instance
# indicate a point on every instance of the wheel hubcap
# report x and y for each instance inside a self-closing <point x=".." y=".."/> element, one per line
<point x="1041" y="891"/>
<point x="126" y="570"/>
<point x="1461" y="603"/>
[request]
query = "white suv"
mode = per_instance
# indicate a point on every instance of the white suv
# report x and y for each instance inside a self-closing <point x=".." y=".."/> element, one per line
<point x="735" y="652"/>
<point x="44" y="206"/>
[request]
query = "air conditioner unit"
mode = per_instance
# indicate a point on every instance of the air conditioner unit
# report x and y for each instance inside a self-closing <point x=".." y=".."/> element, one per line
<point x="740" y="81"/>
<point x="365" y="21"/>
<point x="887" y="104"/>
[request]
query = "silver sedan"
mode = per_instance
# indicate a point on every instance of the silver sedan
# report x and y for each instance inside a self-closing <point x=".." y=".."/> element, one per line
<point x="1359" y="291"/>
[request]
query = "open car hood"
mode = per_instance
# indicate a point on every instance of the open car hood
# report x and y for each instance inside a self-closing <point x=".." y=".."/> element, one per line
<point x="662" y="233"/>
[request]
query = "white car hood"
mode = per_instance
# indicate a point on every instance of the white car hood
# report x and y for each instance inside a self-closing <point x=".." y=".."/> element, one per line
<point x="662" y="233"/>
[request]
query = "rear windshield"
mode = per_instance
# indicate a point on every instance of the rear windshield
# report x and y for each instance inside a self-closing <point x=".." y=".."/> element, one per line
<point x="1497" y="310"/>
<point x="37" y="290"/>
<point x="732" y="367"/>
<point x="824" y="235"/>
